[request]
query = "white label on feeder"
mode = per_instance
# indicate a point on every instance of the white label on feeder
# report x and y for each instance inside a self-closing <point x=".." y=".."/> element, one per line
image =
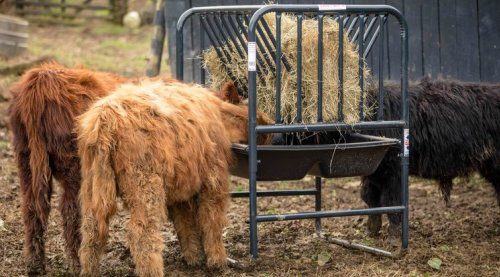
<point x="252" y="65"/>
<point x="407" y="143"/>
<point x="331" y="7"/>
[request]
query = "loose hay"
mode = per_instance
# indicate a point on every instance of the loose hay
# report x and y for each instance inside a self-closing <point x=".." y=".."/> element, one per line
<point x="266" y="90"/>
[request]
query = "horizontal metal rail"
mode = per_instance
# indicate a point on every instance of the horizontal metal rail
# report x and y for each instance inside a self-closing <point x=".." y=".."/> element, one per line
<point x="325" y="214"/>
<point x="316" y="127"/>
<point x="275" y="193"/>
<point x="62" y="5"/>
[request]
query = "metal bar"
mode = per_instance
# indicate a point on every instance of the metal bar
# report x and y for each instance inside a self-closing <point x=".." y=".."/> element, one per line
<point x="216" y="43"/>
<point x="202" y="47"/>
<point x="267" y="44"/>
<point x="361" y="66"/>
<point x="288" y="67"/>
<point x="340" y="109"/>
<point x="243" y="29"/>
<point x="364" y="125"/>
<point x="317" y="204"/>
<point x="325" y="214"/>
<point x="278" y="68"/>
<point x="179" y="58"/>
<point x="220" y="41"/>
<point x="232" y="37"/>
<point x="252" y="140"/>
<point x="262" y="49"/>
<point x="299" y="68"/>
<point x="273" y="193"/>
<point x="380" y="113"/>
<point x="351" y="27"/>
<point x="370" y="27"/>
<point x="374" y="37"/>
<point x="222" y="30"/>
<point x="320" y="67"/>
<point x="404" y="155"/>
<point x="357" y="246"/>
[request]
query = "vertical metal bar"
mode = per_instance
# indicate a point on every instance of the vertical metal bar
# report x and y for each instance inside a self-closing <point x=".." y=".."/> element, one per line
<point x="288" y="67"/>
<point x="225" y="58"/>
<point x="361" y="66"/>
<point x="269" y="48"/>
<point x="278" y="67"/>
<point x="299" y="67"/>
<point x="243" y="29"/>
<point x="380" y="113"/>
<point x="179" y="59"/>
<point x="261" y="48"/>
<point x="374" y="37"/>
<point x="202" y="47"/>
<point x="318" y="205"/>
<point x="404" y="155"/>
<point x="232" y="37"/>
<point x="320" y="67"/>
<point x="340" y="111"/>
<point x="252" y="144"/>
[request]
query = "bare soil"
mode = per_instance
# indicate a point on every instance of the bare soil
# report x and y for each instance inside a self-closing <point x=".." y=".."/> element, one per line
<point x="465" y="236"/>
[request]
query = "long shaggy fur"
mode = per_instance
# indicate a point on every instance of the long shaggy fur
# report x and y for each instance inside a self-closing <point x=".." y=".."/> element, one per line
<point x="160" y="148"/>
<point x="454" y="130"/>
<point x="45" y="102"/>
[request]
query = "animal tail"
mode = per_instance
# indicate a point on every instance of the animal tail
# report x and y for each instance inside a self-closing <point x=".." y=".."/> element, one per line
<point x="96" y="145"/>
<point x="31" y="95"/>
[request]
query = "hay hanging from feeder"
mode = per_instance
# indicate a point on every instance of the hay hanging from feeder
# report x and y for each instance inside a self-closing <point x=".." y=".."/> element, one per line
<point x="266" y="89"/>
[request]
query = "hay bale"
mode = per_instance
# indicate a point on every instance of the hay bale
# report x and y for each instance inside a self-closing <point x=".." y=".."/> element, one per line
<point x="266" y="93"/>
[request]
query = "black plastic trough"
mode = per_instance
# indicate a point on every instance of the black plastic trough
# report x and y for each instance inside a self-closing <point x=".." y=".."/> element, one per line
<point x="358" y="155"/>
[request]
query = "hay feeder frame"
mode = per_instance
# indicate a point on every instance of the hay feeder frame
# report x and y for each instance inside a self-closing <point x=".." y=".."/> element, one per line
<point x="358" y="155"/>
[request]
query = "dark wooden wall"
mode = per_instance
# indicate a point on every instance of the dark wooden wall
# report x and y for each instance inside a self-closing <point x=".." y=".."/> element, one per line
<point x="448" y="38"/>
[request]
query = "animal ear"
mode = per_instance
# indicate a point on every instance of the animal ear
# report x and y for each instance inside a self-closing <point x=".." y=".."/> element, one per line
<point x="229" y="93"/>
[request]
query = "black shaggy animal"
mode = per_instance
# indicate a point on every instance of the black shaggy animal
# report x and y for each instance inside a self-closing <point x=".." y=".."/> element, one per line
<point x="454" y="130"/>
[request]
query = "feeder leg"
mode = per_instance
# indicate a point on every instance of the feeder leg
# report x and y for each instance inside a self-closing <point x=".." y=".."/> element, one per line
<point x="253" y="215"/>
<point x="318" y="205"/>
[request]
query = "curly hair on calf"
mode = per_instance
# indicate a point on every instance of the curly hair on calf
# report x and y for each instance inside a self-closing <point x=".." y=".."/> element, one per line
<point x="454" y="130"/>
<point x="45" y="102"/>
<point x="164" y="150"/>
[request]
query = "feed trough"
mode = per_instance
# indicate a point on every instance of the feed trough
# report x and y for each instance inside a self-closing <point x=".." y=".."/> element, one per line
<point x="358" y="155"/>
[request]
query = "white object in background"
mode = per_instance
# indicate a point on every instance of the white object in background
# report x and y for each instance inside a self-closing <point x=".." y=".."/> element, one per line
<point x="132" y="20"/>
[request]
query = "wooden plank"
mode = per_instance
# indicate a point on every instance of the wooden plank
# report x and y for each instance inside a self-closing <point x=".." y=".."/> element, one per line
<point x="174" y="9"/>
<point x="430" y="39"/>
<point x="394" y="41"/>
<point x="448" y="38"/>
<point x="467" y="57"/>
<point x="413" y="15"/>
<point x="489" y="40"/>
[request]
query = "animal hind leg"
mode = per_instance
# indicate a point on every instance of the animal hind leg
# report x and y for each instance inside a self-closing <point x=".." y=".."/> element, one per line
<point x="184" y="218"/>
<point x="490" y="169"/>
<point x="370" y="194"/>
<point x="71" y="217"/>
<point x="35" y="217"/>
<point x="213" y="204"/>
<point x="446" y="185"/>
<point x="146" y="200"/>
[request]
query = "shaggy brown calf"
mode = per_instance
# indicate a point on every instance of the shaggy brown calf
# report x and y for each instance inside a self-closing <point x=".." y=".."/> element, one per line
<point x="44" y="105"/>
<point x="162" y="149"/>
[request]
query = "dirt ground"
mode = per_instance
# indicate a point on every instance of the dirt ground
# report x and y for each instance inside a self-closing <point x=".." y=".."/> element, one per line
<point x="464" y="237"/>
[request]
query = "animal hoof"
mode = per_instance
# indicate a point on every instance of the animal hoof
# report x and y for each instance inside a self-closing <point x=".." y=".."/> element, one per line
<point x="36" y="269"/>
<point x="374" y="225"/>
